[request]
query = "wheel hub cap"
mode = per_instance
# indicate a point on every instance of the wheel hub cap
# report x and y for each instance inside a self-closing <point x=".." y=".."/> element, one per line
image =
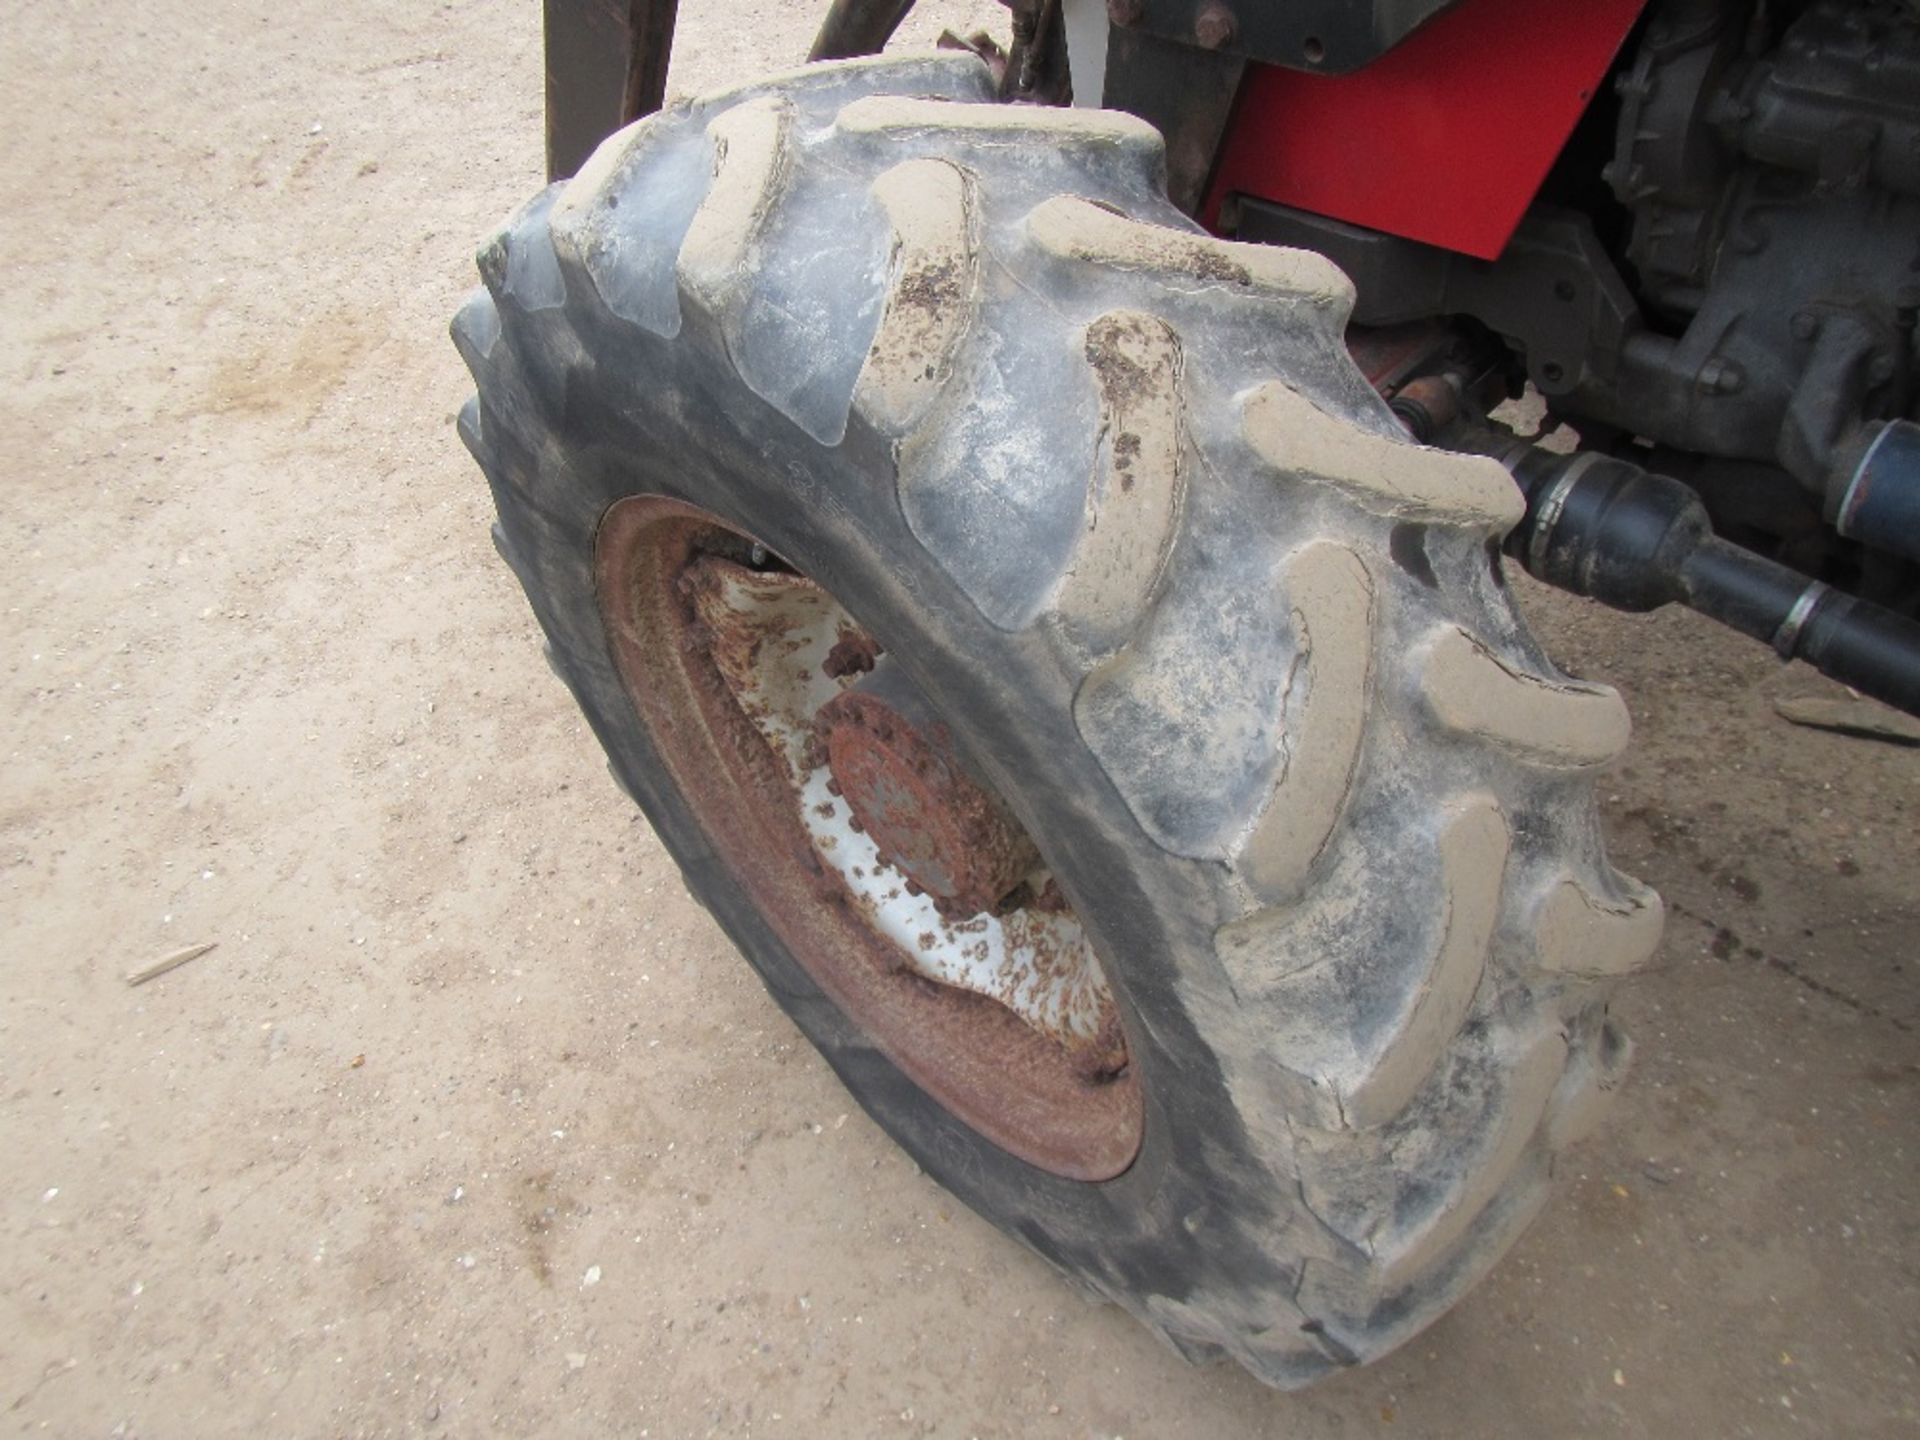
<point x="909" y="792"/>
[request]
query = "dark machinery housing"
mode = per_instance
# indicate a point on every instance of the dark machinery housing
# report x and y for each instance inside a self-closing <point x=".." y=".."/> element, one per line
<point x="1734" y="306"/>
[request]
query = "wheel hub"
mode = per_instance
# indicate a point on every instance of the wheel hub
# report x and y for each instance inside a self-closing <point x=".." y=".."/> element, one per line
<point x="909" y="792"/>
<point x="842" y="808"/>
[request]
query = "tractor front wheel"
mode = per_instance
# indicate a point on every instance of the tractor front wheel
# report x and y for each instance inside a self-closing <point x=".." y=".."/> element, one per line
<point x="1107" y="735"/>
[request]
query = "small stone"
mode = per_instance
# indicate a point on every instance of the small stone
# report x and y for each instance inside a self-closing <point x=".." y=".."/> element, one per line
<point x="576" y="1360"/>
<point x="456" y="1195"/>
<point x="51" y="1195"/>
<point x="592" y="1277"/>
<point x="466" y="1262"/>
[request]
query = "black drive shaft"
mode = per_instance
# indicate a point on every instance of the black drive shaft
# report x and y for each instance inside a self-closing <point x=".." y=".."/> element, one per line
<point x="1605" y="528"/>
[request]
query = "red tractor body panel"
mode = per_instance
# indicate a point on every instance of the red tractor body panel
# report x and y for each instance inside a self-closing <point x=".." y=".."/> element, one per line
<point x="1446" y="139"/>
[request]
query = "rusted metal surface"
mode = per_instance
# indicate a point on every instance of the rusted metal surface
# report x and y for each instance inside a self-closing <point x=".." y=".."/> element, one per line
<point x="729" y="658"/>
<point x="1426" y="405"/>
<point x="979" y="43"/>
<point x="930" y="821"/>
<point x="1388" y="354"/>
<point x="853" y="654"/>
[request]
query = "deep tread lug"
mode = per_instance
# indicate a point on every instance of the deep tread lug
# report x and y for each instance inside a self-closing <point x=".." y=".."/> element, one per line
<point x="1559" y="724"/>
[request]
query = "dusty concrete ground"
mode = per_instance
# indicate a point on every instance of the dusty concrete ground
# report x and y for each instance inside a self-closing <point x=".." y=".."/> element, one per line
<point x="473" y="1124"/>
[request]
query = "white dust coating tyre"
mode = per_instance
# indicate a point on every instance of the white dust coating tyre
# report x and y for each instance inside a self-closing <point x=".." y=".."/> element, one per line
<point x="1194" y="615"/>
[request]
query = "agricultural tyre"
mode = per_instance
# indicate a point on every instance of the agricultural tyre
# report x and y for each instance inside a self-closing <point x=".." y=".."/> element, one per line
<point x="1108" y="736"/>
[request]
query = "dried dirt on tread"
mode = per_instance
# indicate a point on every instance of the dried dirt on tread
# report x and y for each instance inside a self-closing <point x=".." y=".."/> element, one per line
<point x="473" y="1124"/>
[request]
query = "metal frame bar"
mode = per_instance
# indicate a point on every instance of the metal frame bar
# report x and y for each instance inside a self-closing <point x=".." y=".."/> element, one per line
<point x="606" y="66"/>
<point x="858" y="27"/>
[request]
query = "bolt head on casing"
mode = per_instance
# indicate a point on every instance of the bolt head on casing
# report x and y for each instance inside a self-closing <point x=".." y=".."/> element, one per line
<point x="1720" y="376"/>
<point x="1215" y="26"/>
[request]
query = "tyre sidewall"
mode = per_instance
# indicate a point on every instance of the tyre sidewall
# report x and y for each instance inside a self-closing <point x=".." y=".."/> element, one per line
<point x="1196" y="1210"/>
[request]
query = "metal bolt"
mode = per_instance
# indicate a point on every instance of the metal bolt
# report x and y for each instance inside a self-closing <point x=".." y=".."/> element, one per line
<point x="1214" y="27"/>
<point x="1721" y="377"/>
<point x="1125" y="12"/>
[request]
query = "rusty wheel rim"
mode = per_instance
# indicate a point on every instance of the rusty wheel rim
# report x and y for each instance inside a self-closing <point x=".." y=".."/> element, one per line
<point x="761" y="694"/>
